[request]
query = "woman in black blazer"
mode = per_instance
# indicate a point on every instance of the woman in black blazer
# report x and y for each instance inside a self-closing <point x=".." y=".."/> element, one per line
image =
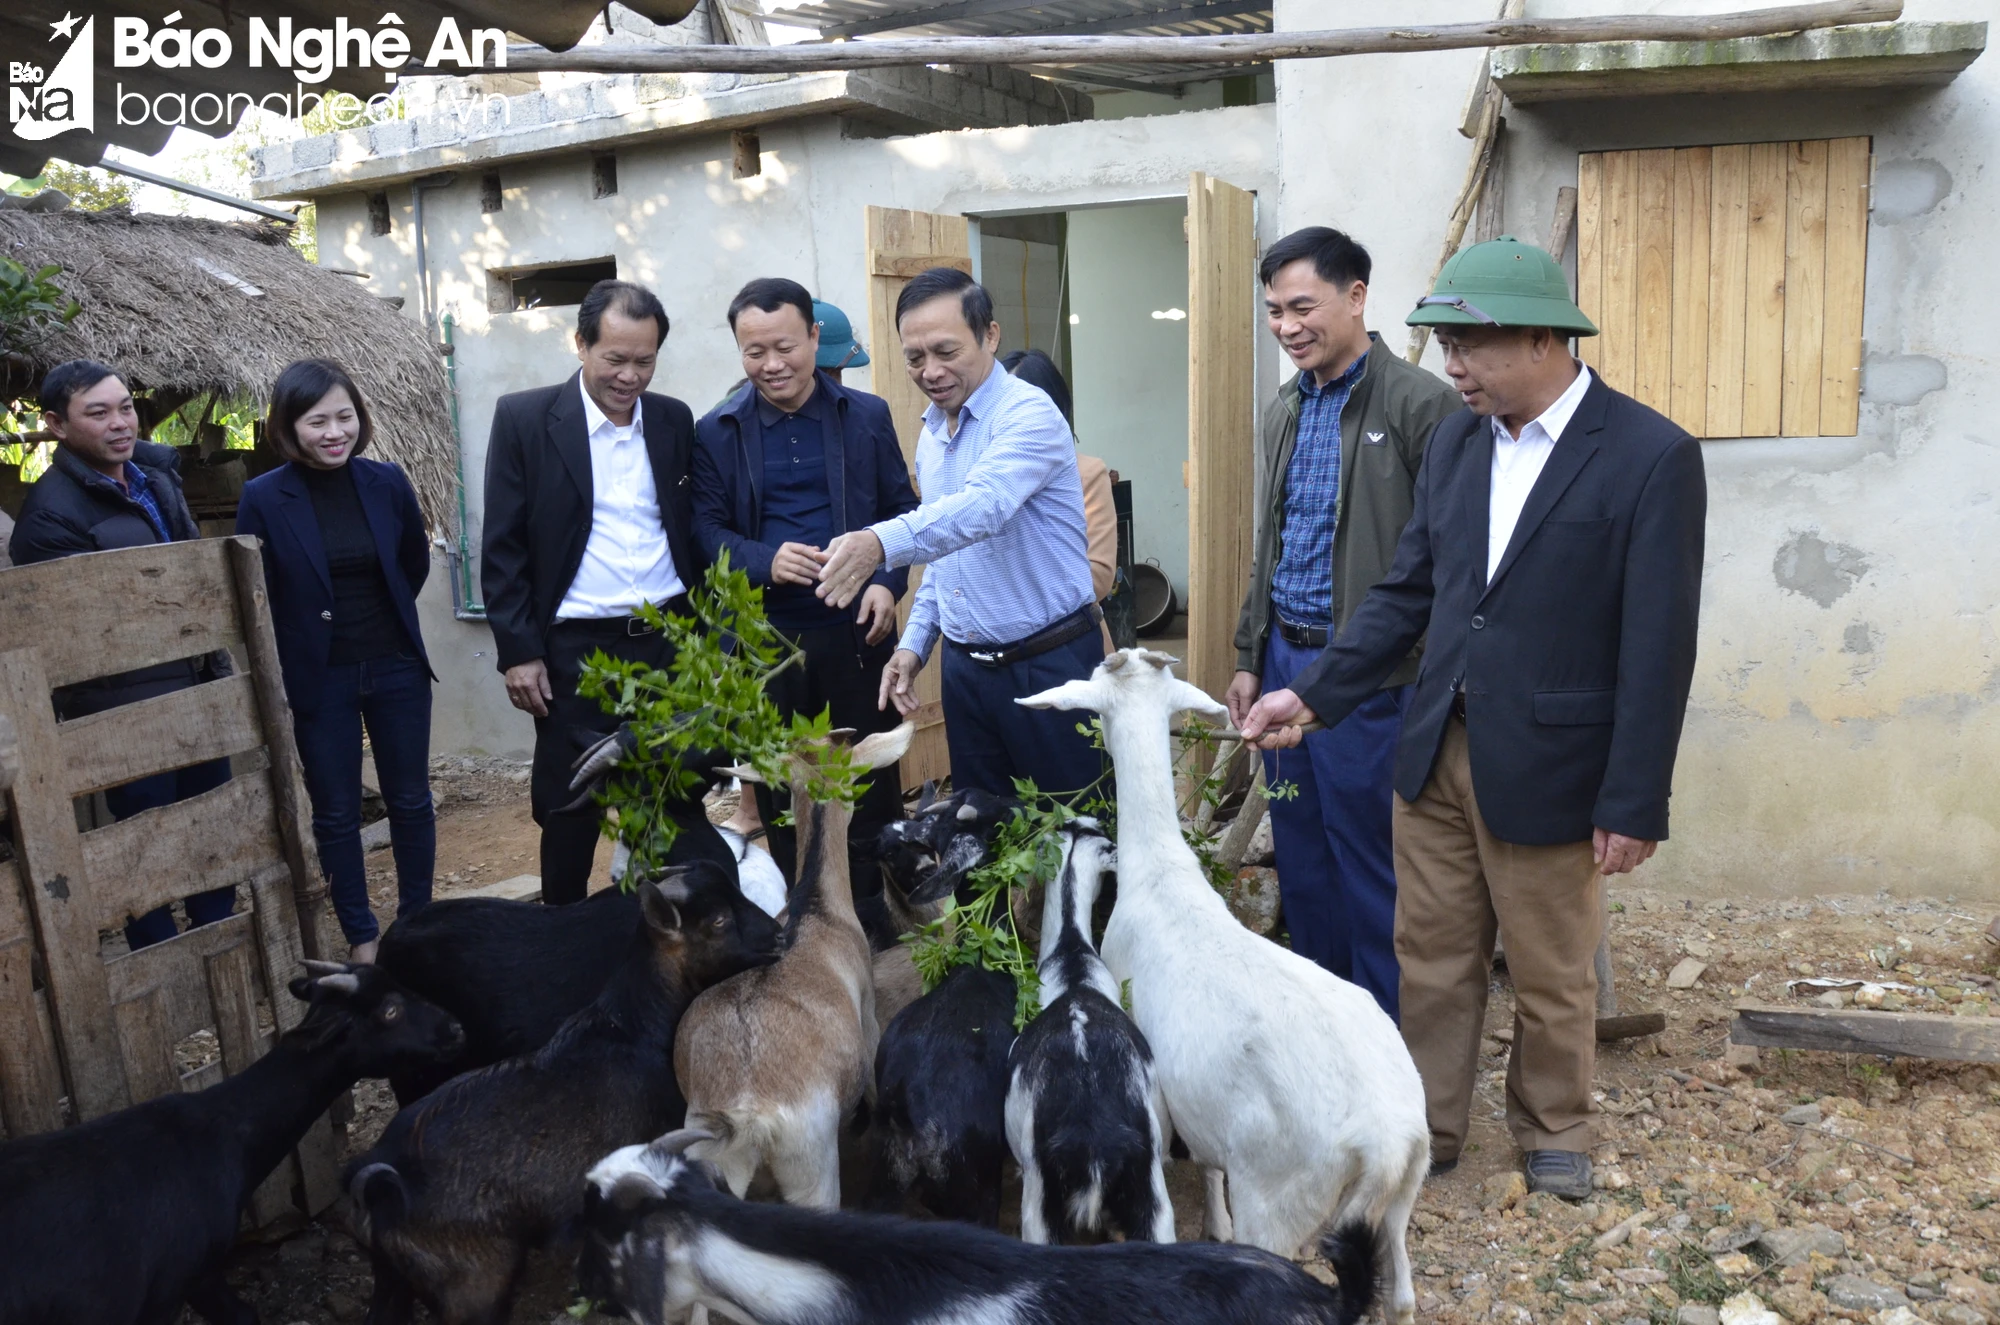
<point x="344" y="556"/>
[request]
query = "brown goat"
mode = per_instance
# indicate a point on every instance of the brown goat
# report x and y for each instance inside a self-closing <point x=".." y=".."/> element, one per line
<point x="772" y="1061"/>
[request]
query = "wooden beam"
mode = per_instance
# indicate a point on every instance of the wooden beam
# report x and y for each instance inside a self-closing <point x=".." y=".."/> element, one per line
<point x="1234" y="49"/>
<point x="1851" y="1031"/>
<point x="10" y="752"/>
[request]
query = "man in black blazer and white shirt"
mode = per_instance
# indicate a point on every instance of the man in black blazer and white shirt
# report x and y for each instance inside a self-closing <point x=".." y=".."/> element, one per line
<point x="587" y="516"/>
<point x="1554" y="558"/>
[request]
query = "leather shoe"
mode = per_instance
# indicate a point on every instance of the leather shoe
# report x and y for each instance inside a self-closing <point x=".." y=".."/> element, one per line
<point x="1564" y="1173"/>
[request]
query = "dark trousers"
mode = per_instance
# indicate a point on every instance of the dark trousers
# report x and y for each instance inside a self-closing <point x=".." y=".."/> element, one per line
<point x="993" y="740"/>
<point x="157" y="925"/>
<point x="1336" y="853"/>
<point x="569" y="841"/>
<point x="842" y="675"/>
<point x="391" y="697"/>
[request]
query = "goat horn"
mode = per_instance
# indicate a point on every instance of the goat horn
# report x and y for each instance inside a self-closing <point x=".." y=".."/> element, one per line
<point x="677" y="1142"/>
<point x="343" y="983"/>
<point x="324" y="968"/>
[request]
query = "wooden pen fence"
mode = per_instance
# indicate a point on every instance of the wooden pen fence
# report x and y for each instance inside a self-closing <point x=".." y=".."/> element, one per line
<point x="87" y="1028"/>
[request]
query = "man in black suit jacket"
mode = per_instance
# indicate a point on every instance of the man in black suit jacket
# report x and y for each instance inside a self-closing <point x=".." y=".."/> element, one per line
<point x="587" y="516"/>
<point x="1554" y="561"/>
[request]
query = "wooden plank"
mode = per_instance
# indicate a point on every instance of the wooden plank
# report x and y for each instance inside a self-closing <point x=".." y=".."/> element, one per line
<point x="894" y="238"/>
<point x="319" y="1163"/>
<point x="1619" y="238"/>
<point x="1590" y="253"/>
<point x="1764" y="293"/>
<point x="174" y="970"/>
<point x="1693" y="171"/>
<point x="1653" y="282"/>
<point x="1858" y="1031"/>
<point x="187" y="727"/>
<point x="1847" y="207"/>
<point x="10" y="752"/>
<point x="1630" y="1026"/>
<point x="280" y="946"/>
<point x="1805" y="285"/>
<point x="1564" y="223"/>
<point x="1222" y="421"/>
<point x="161" y="855"/>
<point x="1728" y="285"/>
<point x="49" y="854"/>
<point x="30" y="1078"/>
<point x="147" y="1048"/>
<point x="233" y="996"/>
<point x="106" y="612"/>
<point x="317" y="928"/>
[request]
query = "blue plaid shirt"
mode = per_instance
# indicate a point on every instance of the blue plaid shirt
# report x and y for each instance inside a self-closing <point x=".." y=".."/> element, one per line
<point x="140" y="489"/>
<point x="1302" y="584"/>
<point x="1001" y="524"/>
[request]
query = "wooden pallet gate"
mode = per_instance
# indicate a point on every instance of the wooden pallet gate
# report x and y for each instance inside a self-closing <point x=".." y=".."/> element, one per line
<point x="102" y="1031"/>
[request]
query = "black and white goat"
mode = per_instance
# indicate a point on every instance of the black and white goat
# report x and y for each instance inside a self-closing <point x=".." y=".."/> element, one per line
<point x="121" y="1220"/>
<point x="1086" y="1119"/>
<point x="660" y="1239"/>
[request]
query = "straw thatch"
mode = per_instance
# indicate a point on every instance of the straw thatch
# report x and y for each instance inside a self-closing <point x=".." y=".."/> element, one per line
<point x="190" y="305"/>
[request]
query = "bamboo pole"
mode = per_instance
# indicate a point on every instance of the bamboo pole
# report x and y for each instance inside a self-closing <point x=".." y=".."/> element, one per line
<point x="1239" y="48"/>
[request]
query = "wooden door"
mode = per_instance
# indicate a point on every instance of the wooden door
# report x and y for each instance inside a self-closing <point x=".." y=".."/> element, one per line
<point x="1222" y="442"/>
<point x="900" y="244"/>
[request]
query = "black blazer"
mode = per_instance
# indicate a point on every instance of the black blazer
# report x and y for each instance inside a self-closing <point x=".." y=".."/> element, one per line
<point x="1576" y="660"/>
<point x="866" y="478"/>
<point x="538" y="507"/>
<point x="278" y="509"/>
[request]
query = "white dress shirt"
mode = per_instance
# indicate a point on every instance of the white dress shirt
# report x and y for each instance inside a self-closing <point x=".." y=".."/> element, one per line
<point x="626" y="560"/>
<point x="1517" y="463"/>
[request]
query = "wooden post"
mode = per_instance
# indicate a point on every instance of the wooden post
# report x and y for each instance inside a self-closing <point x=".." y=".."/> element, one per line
<point x="10" y="753"/>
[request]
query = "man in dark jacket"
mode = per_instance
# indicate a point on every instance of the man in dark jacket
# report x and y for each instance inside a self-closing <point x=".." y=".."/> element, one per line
<point x="107" y="489"/>
<point x="586" y="519"/>
<point x="1342" y="446"/>
<point x="1554" y="557"/>
<point x="782" y="468"/>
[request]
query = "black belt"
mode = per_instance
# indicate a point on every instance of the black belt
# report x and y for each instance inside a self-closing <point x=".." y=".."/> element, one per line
<point x="1054" y="636"/>
<point x="1306" y="637"/>
<point x="627" y="625"/>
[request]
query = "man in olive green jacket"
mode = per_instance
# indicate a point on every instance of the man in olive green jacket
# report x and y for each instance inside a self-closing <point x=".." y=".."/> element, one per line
<point x="1342" y="446"/>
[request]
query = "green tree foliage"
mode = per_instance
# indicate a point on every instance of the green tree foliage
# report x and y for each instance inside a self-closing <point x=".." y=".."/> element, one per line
<point x="88" y="189"/>
<point x="31" y="303"/>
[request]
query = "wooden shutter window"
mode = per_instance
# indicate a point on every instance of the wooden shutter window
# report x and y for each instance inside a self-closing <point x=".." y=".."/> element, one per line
<point x="1726" y="282"/>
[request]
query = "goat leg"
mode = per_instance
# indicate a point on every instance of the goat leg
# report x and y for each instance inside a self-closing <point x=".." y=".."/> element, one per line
<point x="1215" y="1221"/>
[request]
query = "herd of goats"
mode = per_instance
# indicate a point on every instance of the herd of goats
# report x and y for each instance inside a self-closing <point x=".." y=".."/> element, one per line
<point x="633" y="1079"/>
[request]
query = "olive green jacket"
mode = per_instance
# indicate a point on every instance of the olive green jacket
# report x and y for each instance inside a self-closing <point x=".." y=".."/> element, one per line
<point x="1384" y="428"/>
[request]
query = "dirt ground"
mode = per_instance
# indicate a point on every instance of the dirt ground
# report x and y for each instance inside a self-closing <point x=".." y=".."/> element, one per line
<point x="1824" y="1186"/>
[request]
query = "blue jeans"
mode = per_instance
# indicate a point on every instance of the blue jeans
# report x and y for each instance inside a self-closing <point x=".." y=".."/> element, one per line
<point x="157" y="925"/>
<point x="1336" y="857"/>
<point x="993" y="740"/>
<point x="393" y="697"/>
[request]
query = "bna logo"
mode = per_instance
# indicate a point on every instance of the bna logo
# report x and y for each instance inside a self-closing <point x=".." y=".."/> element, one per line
<point x="42" y="104"/>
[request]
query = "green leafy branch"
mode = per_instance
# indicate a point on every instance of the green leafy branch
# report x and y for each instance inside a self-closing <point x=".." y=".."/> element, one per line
<point x="711" y="698"/>
<point x="31" y="303"/>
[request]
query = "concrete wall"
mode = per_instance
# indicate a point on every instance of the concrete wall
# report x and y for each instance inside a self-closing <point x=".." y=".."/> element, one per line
<point x="1126" y="264"/>
<point x="681" y="224"/>
<point x="1845" y="725"/>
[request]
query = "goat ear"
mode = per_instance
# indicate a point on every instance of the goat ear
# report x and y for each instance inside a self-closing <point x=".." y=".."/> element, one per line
<point x="927" y="795"/>
<point x="741" y="772"/>
<point x="1069" y="695"/>
<point x="884" y="747"/>
<point x="632" y="1191"/>
<point x="1193" y="697"/>
<point x="661" y="914"/>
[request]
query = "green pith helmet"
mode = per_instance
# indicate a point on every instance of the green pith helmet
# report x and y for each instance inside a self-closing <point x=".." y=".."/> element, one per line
<point x="1502" y="283"/>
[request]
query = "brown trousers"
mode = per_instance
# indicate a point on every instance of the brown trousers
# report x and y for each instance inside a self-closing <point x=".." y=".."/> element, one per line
<point x="1456" y="884"/>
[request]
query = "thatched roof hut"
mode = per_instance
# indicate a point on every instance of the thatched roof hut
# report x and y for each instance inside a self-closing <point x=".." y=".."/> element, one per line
<point x="192" y="305"/>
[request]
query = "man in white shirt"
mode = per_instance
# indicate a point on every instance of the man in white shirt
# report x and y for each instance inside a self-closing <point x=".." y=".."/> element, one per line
<point x="587" y="517"/>
<point x="1554" y="557"/>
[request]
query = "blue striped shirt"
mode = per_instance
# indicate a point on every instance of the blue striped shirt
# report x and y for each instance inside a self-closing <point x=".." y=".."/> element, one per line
<point x="140" y="489"/>
<point x="1001" y="525"/>
<point x="1302" y="584"/>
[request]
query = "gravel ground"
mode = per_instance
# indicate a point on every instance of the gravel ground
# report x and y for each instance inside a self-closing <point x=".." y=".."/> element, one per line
<point x="1735" y="1187"/>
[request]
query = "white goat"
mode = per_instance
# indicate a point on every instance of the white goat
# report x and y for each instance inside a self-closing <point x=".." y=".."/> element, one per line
<point x="774" y="1060"/>
<point x="1283" y="1077"/>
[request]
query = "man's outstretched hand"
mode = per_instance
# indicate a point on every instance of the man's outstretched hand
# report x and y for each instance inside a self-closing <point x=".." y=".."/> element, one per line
<point x="1277" y="721"/>
<point x="846" y="565"/>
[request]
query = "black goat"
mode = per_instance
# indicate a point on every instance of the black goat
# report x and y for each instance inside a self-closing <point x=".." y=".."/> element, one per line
<point x="1085" y="1116"/>
<point x="466" y="1181"/>
<point x="514" y="971"/>
<point x="660" y="1238"/>
<point x="941" y="1095"/>
<point x="928" y="855"/>
<point x="121" y="1220"/>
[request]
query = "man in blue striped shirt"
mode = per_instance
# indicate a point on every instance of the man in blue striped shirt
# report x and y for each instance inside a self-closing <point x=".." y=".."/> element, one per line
<point x="1001" y="532"/>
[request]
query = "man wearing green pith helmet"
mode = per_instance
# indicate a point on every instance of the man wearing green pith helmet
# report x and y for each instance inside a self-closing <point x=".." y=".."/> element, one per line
<point x="1553" y="566"/>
